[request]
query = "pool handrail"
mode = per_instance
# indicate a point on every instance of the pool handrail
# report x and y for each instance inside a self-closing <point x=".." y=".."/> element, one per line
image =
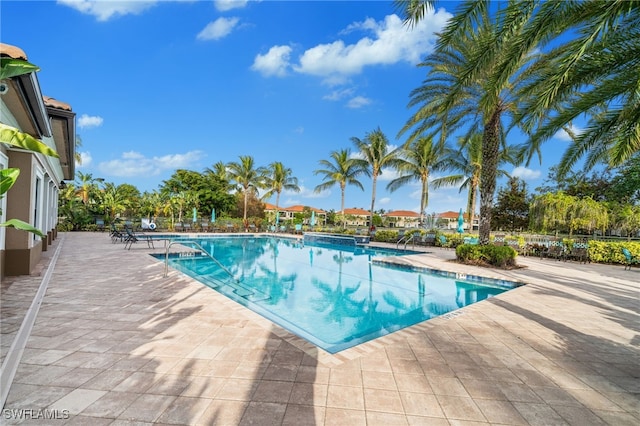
<point x="202" y="250"/>
<point x="406" y="240"/>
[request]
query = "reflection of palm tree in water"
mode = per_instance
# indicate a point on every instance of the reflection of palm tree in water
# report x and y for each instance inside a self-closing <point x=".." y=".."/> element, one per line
<point x="274" y="282"/>
<point x="338" y="303"/>
<point x="417" y="306"/>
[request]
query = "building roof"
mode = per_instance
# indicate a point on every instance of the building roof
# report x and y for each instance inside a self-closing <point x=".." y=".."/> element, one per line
<point x="452" y="215"/>
<point x="41" y="116"/>
<point x="402" y="213"/>
<point x="53" y="103"/>
<point x="13" y="52"/>
<point x="356" y="212"/>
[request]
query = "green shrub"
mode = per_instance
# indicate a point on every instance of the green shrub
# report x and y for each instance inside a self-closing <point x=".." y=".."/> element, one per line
<point x="498" y="256"/>
<point x="611" y="251"/>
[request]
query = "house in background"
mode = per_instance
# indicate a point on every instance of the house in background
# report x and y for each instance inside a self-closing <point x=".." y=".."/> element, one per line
<point x="34" y="197"/>
<point x="356" y="217"/>
<point x="402" y="219"/>
<point x="289" y="213"/>
<point x="450" y="220"/>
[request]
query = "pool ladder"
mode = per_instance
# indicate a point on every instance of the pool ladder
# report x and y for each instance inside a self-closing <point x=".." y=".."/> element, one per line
<point x="406" y="240"/>
<point x="202" y="250"/>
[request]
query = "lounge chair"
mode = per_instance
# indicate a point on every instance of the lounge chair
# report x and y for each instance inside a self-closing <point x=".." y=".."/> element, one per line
<point x="630" y="259"/>
<point x="401" y="234"/>
<point x="470" y="240"/>
<point x="186" y="227"/>
<point x="132" y="237"/>
<point x="116" y="234"/>
<point x="100" y="225"/>
<point x="204" y="227"/>
<point x="298" y="229"/>
<point x="443" y="241"/>
<point x="178" y="227"/>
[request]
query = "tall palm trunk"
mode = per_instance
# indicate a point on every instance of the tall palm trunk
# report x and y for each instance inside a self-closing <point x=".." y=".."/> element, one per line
<point x="373" y="199"/>
<point x="490" y="148"/>
<point x="424" y="198"/>
<point x="246" y="196"/>
<point x="344" y="219"/>
<point x="471" y="202"/>
<point x="277" y="202"/>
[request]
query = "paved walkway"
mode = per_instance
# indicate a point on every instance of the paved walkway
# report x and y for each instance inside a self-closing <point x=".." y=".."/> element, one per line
<point x="116" y="343"/>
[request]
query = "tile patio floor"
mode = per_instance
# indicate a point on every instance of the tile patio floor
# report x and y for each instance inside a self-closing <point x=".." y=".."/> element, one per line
<point x="115" y="343"/>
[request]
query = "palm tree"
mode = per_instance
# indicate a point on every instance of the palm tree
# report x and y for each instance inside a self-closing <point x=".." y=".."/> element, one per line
<point x="595" y="74"/>
<point x="467" y="160"/>
<point x="415" y="163"/>
<point x="467" y="85"/>
<point x="87" y="186"/>
<point x="278" y="178"/>
<point x="77" y="156"/>
<point x="342" y="171"/>
<point x="375" y="150"/>
<point x="246" y="176"/>
<point x="114" y="201"/>
<point x="219" y="169"/>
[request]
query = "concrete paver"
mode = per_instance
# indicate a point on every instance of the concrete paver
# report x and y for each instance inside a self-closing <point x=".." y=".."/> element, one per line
<point x="115" y="342"/>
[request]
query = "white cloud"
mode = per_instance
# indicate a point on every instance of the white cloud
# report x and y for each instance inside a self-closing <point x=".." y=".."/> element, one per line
<point x="384" y="201"/>
<point x="299" y="130"/>
<point x="133" y="163"/>
<point x="274" y="63"/>
<point x="85" y="159"/>
<point x="218" y="29"/>
<point x="358" y="102"/>
<point x="104" y="10"/>
<point x="337" y="95"/>
<point x="391" y="41"/>
<point x="87" y="121"/>
<point x="525" y="173"/>
<point x="387" y="175"/>
<point x="563" y="135"/>
<point x="225" y="5"/>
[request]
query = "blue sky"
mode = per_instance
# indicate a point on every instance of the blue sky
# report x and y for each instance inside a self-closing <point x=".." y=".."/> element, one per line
<point x="162" y="85"/>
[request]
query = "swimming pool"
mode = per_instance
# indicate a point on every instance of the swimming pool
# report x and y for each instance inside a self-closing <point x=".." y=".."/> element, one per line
<point x="335" y="297"/>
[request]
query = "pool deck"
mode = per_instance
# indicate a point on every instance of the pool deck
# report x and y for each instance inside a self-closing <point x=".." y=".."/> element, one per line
<point x="116" y="343"/>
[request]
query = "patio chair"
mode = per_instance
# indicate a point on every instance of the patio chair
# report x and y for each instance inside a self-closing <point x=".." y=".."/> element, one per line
<point x="579" y="251"/>
<point x="470" y="240"/>
<point x="630" y="259"/>
<point x="132" y="237"/>
<point x="443" y="241"/>
<point x="401" y="234"/>
<point x="298" y="228"/>
<point x="555" y="249"/>
<point x="116" y="234"/>
<point x="204" y="226"/>
<point x="178" y="227"/>
<point x="499" y="239"/>
<point x="186" y="227"/>
<point x="100" y="225"/>
<point x="514" y="244"/>
<point x="429" y="239"/>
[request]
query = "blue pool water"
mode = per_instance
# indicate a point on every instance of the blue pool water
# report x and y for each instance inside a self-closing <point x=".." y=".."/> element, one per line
<point x="332" y="296"/>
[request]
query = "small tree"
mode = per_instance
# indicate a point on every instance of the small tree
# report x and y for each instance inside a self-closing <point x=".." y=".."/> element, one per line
<point x="511" y="212"/>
